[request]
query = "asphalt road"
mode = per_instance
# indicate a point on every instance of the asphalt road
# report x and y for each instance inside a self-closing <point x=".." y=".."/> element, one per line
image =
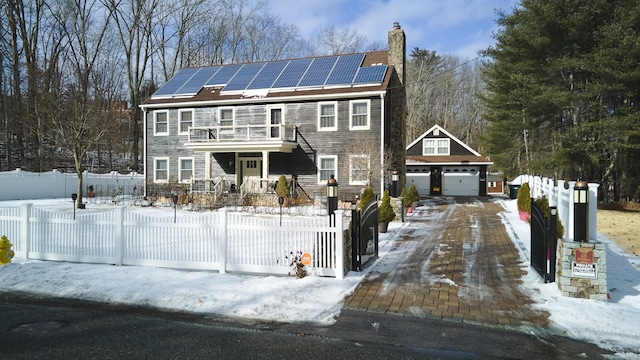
<point x="59" y="329"/>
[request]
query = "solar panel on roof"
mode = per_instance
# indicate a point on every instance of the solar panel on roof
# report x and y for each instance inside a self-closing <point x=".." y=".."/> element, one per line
<point x="176" y="82"/>
<point x="370" y="74"/>
<point x="198" y="80"/>
<point x="223" y="75"/>
<point x="267" y="75"/>
<point x="243" y="77"/>
<point x="332" y="70"/>
<point x="345" y="69"/>
<point x="318" y="71"/>
<point x="292" y="74"/>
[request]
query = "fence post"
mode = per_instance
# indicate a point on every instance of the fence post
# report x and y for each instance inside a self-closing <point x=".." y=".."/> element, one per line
<point x="25" y="230"/>
<point x="224" y="219"/>
<point x="593" y="208"/>
<point x="340" y="248"/>
<point x="570" y="223"/>
<point x="119" y="235"/>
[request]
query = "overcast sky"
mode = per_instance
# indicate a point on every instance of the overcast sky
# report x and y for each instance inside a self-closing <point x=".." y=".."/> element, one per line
<point x="457" y="27"/>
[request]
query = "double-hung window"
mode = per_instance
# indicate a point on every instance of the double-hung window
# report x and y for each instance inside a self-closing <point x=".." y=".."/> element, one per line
<point x="186" y="169"/>
<point x="327" y="116"/>
<point x="435" y="147"/>
<point x="186" y="120"/>
<point x="328" y="165"/>
<point x="226" y="119"/>
<point x="161" y="170"/>
<point x="161" y="123"/>
<point x="359" y="114"/>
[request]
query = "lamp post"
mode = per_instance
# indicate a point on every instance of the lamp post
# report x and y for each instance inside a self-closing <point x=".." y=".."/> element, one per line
<point x="394" y="180"/>
<point x="281" y="201"/>
<point x="174" y="198"/>
<point x="332" y="196"/>
<point x="581" y="211"/>
<point x="74" y="197"/>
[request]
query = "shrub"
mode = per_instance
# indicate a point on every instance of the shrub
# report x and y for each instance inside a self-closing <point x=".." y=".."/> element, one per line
<point x="282" y="187"/>
<point x="367" y="196"/>
<point x="524" y="198"/>
<point x="413" y="194"/>
<point x="385" y="211"/>
<point x="543" y="202"/>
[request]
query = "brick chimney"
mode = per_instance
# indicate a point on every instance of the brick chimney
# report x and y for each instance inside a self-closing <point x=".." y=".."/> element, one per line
<point x="398" y="50"/>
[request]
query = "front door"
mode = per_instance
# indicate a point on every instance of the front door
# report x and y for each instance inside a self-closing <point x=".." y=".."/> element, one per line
<point x="250" y="169"/>
<point x="436" y="180"/>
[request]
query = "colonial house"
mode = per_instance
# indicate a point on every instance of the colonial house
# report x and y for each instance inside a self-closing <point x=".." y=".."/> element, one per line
<point x="438" y="163"/>
<point x="244" y="125"/>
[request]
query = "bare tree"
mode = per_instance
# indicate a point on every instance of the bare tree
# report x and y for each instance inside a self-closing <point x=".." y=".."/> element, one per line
<point x="331" y="41"/>
<point x="80" y="106"/>
<point x="367" y="161"/>
<point x="135" y="21"/>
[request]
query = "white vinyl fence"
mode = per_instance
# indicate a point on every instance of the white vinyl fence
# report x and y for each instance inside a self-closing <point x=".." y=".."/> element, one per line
<point x="222" y="241"/>
<point x="560" y="194"/>
<point x="20" y="184"/>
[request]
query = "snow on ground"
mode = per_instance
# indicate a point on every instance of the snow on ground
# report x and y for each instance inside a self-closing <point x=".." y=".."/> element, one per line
<point x="611" y="325"/>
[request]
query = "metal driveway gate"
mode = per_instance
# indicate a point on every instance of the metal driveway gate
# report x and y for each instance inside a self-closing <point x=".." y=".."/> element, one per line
<point x="364" y="235"/>
<point x="543" y="241"/>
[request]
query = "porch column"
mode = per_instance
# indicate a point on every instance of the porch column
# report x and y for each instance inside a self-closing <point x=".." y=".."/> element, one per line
<point x="207" y="170"/>
<point x="265" y="165"/>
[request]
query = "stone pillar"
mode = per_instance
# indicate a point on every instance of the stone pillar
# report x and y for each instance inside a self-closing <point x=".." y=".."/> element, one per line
<point x="582" y="269"/>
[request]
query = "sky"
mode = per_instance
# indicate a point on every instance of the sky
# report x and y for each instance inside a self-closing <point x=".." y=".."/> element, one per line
<point x="451" y="27"/>
<point x="612" y="325"/>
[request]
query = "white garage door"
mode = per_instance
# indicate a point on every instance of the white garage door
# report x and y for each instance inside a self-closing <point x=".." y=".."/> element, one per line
<point x="460" y="181"/>
<point x="421" y="181"/>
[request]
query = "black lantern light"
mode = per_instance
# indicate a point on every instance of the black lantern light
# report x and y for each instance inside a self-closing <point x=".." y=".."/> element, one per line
<point x="581" y="211"/>
<point x="74" y="197"/>
<point x="394" y="180"/>
<point x="332" y="195"/>
<point x="174" y="198"/>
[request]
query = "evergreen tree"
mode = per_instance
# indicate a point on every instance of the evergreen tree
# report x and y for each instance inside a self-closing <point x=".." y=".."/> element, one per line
<point x="562" y="91"/>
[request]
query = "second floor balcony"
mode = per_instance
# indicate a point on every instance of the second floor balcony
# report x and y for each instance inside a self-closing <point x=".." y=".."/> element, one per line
<point x="280" y="138"/>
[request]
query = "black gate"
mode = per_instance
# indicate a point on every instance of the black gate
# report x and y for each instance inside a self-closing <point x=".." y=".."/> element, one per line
<point x="364" y="235"/>
<point x="543" y="241"/>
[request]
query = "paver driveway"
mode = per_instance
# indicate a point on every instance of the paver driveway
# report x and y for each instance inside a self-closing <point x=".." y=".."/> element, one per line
<point x="454" y="260"/>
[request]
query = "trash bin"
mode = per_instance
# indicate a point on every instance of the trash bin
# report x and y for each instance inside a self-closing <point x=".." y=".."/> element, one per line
<point x="513" y="191"/>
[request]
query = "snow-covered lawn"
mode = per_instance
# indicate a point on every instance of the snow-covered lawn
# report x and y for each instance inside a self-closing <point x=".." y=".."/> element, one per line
<point x="611" y="325"/>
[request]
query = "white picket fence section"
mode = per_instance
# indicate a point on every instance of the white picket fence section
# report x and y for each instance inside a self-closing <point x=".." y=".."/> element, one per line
<point x="561" y="194"/>
<point x="221" y="241"/>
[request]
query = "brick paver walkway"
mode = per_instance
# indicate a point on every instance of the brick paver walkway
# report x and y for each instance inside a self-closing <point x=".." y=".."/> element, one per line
<point x="454" y="260"/>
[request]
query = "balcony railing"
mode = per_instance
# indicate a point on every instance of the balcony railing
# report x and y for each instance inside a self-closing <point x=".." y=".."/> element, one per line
<point x="242" y="133"/>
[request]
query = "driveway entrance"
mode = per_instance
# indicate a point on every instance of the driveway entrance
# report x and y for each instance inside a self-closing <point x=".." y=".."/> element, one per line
<point x="453" y="260"/>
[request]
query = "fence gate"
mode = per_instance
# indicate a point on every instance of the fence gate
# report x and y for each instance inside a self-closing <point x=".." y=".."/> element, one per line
<point x="543" y="242"/>
<point x="364" y="235"/>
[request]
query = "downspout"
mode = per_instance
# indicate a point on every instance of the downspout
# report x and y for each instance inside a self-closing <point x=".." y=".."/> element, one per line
<point x="144" y="147"/>
<point x="383" y="116"/>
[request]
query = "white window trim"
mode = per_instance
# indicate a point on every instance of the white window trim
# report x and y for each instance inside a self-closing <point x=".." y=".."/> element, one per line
<point x="282" y="122"/>
<point x="435" y="146"/>
<point x="155" y="170"/>
<point x="335" y="115"/>
<point x="180" y="169"/>
<point x="352" y="181"/>
<point x="366" y="127"/>
<point x="227" y="129"/>
<point x="180" y="112"/>
<point x="155" y="121"/>
<point x="335" y="169"/>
